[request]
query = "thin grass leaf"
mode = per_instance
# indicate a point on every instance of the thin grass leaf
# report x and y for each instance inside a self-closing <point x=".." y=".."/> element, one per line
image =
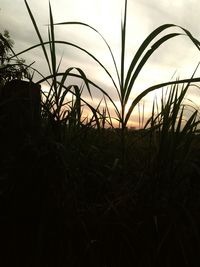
<point x="63" y="96"/>
<point x="63" y="80"/>
<point x="52" y="43"/>
<point x="123" y="47"/>
<point x="90" y="82"/>
<point x="108" y="112"/>
<point x="78" y="93"/>
<point x="94" y="111"/>
<point x="194" y="40"/>
<point x="190" y="123"/>
<point x="180" y="120"/>
<point x="143" y="47"/>
<point x="144" y="60"/>
<point x="38" y="34"/>
<point x="78" y="47"/>
<point x="83" y="76"/>
<point x="152" y="88"/>
<point x="108" y="46"/>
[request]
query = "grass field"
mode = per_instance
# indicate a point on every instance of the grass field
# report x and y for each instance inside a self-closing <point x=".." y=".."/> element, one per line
<point x="82" y="192"/>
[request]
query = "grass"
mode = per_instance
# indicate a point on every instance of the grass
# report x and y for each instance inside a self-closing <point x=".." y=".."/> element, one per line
<point x="84" y="194"/>
<point x="125" y="82"/>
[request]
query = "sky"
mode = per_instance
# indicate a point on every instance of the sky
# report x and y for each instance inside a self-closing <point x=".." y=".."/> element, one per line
<point x="177" y="56"/>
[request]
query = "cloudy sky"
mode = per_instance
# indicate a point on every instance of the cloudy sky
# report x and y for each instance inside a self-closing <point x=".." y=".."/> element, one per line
<point x="177" y="55"/>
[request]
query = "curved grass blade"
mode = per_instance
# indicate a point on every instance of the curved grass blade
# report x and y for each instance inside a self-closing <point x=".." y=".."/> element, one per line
<point x="52" y="50"/>
<point x="104" y="40"/>
<point x="152" y="88"/>
<point x="94" y="111"/>
<point x="143" y="47"/>
<point x="38" y="34"/>
<point x="123" y="47"/>
<point x="89" y="82"/>
<point x="78" y="47"/>
<point x="191" y="122"/>
<point x="144" y="60"/>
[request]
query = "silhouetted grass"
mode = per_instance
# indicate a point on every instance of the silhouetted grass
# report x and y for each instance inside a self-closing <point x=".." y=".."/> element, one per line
<point x="83" y="194"/>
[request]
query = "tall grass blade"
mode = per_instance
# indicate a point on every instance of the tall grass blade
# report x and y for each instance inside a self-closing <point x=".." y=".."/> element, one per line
<point x="104" y="40"/>
<point x="123" y="47"/>
<point x="152" y="88"/>
<point x="75" y="46"/>
<point x="143" y="47"/>
<point x="144" y="60"/>
<point x="38" y="34"/>
<point x="53" y="51"/>
<point x="89" y="82"/>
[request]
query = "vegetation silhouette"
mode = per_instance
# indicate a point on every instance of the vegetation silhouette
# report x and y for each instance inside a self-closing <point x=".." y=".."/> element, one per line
<point x="76" y="191"/>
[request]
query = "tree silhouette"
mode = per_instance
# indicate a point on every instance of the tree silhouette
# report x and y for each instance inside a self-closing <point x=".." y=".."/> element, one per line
<point x="11" y="67"/>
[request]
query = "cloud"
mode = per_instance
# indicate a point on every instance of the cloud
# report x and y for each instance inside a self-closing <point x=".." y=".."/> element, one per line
<point x="179" y="54"/>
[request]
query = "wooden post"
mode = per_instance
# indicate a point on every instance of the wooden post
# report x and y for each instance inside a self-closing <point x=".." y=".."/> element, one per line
<point x="20" y="112"/>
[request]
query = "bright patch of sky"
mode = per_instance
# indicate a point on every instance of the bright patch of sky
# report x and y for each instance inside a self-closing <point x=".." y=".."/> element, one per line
<point x="178" y="54"/>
